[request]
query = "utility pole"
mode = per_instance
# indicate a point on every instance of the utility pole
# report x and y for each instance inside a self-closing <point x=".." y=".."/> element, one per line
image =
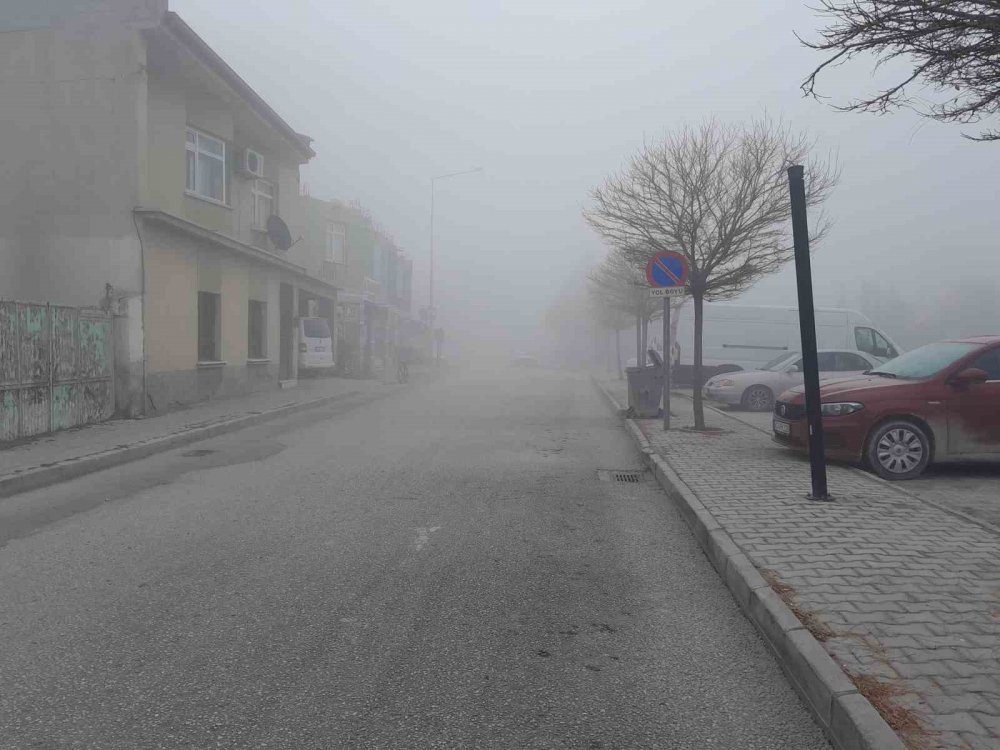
<point x="807" y="326"/>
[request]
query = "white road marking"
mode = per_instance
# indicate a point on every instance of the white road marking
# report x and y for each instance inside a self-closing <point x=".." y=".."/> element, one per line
<point x="424" y="535"/>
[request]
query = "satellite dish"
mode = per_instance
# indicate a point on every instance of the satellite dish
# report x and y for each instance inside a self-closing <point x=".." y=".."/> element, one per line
<point x="277" y="231"/>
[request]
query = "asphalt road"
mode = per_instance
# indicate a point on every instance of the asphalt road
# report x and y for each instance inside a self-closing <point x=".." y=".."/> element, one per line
<point x="442" y="568"/>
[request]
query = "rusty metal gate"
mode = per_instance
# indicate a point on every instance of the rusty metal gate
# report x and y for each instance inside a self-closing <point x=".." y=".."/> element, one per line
<point x="56" y="368"/>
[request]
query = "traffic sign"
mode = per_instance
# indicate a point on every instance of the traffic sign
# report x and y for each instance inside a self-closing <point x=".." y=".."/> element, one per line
<point x="666" y="291"/>
<point x="667" y="270"/>
<point x="667" y="273"/>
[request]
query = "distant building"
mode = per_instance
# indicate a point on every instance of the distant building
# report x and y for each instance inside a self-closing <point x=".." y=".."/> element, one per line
<point x="374" y="278"/>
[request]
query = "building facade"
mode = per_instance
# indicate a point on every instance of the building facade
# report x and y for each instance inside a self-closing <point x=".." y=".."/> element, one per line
<point x="140" y="173"/>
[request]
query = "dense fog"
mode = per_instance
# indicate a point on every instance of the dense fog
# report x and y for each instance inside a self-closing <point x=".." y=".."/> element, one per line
<point x="550" y="97"/>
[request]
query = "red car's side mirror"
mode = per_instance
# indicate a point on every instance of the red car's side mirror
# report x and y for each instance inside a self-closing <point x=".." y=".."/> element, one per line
<point x="970" y="376"/>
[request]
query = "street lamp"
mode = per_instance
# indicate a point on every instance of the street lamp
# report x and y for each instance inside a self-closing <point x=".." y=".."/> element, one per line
<point x="430" y="303"/>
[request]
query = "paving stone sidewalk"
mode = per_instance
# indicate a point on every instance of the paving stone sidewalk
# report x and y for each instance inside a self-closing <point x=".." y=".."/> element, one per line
<point x="90" y="439"/>
<point x="904" y="595"/>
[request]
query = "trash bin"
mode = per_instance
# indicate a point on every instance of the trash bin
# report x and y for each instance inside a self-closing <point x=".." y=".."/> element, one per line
<point x="645" y="389"/>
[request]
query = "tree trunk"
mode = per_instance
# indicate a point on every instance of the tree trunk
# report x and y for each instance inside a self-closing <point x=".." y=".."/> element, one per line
<point x="607" y="354"/>
<point x="638" y="339"/>
<point x="618" y="353"/>
<point x="645" y="334"/>
<point x="699" y="409"/>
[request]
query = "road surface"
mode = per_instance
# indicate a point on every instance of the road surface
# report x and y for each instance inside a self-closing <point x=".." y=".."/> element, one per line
<point x="443" y="568"/>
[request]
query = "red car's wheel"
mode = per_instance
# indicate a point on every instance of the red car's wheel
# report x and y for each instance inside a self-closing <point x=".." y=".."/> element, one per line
<point x="898" y="449"/>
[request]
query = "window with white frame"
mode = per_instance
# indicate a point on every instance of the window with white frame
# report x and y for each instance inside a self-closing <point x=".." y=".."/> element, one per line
<point x="206" y="166"/>
<point x="261" y="202"/>
<point x="336" y="243"/>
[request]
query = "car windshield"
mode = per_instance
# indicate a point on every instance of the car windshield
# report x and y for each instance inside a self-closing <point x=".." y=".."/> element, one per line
<point x="926" y="361"/>
<point x="316" y="328"/>
<point x="774" y="363"/>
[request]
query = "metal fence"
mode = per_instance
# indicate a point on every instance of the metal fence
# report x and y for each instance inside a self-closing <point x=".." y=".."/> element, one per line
<point x="56" y="368"/>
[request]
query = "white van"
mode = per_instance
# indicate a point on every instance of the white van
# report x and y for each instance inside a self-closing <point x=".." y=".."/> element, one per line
<point x="745" y="337"/>
<point x="315" y="344"/>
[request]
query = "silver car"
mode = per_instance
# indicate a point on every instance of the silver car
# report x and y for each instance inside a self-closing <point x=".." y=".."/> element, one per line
<point x="755" y="389"/>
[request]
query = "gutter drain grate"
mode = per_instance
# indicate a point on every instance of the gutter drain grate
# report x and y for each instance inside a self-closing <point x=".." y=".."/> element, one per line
<point x="628" y="476"/>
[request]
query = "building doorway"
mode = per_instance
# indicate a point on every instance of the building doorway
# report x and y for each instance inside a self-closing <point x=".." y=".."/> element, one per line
<point x="286" y="343"/>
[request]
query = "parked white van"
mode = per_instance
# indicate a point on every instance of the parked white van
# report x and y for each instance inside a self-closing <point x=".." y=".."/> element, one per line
<point x="315" y="344"/>
<point x="745" y="337"/>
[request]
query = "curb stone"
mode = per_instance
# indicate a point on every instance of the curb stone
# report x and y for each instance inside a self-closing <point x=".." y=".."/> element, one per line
<point x="45" y="475"/>
<point x="847" y="718"/>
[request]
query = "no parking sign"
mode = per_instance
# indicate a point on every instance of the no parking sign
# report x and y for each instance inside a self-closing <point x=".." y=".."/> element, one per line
<point x="667" y="274"/>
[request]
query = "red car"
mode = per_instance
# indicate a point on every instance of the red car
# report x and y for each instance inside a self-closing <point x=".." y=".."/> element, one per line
<point x="938" y="403"/>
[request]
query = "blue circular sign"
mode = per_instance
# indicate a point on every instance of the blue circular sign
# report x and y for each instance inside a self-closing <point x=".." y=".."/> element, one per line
<point x="666" y="270"/>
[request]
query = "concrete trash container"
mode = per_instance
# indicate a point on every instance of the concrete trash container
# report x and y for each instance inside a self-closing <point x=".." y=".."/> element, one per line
<point x="645" y="389"/>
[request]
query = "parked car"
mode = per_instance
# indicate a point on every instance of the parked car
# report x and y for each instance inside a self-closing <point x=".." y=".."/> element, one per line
<point x="755" y="389"/>
<point x="938" y="403"/>
<point x="744" y="337"/>
<point x="315" y="344"/>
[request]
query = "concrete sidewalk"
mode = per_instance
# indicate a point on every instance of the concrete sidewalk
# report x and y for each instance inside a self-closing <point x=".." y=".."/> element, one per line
<point x="904" y="595"/>
<point x="59" y="456"/>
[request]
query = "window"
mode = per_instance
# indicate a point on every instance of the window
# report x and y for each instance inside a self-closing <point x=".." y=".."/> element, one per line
<point x="883" y="347"/>
<point x="848" y="362"/>
<point x="261" y="203"/>
<point x="315" y="328"/>
<point x="827" y="361"/>
<point x="208" y="327"/>
<point x="336" y="243"/>
<point x="257" y="335"/>
<point x="990" y="362"/>
<point x="206" y="166"/>
<point x="870" y="341"/>
<point x="926" y="361"/>
<point x="865" y="340"/>
<point x="775" y="364"/>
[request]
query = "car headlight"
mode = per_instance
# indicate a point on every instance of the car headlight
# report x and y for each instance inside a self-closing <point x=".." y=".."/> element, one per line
<point x="839" y="410"/>
<point x="722" y="383"/>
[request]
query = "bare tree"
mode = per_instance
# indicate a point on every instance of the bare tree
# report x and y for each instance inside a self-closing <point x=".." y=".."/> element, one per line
<point x="619" y="285"/>
<point x="954" y="46"/>
<point x="571" y="326"/>
<point x="611" y="318"/>
<point x="719" y="196"/>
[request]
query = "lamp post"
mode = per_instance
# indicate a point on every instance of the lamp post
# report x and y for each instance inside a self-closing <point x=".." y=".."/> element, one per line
<point x="430" y="302"/>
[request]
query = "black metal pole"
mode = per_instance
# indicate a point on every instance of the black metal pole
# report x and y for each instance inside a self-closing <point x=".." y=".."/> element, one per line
<point x="807" y="326"/>
<point x="666" y="363"/>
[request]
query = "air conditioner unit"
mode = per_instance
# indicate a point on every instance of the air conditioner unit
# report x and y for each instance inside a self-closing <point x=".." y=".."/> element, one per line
<point x="252" y="163"/>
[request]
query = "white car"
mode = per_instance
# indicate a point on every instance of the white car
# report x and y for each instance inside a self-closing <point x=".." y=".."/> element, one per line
<point x="755" y="389"/>
<point x="315" y="344"/>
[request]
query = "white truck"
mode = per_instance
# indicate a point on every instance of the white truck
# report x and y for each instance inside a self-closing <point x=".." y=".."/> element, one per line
<point x="744" y="337"/>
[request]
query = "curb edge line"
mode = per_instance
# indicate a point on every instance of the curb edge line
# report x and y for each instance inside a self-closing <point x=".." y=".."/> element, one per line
<point x="72" y="468"/>
<point x="847" y="718"/>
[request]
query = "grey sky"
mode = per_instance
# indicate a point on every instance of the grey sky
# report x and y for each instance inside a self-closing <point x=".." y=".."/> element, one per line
<point x="549" y="97"/>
